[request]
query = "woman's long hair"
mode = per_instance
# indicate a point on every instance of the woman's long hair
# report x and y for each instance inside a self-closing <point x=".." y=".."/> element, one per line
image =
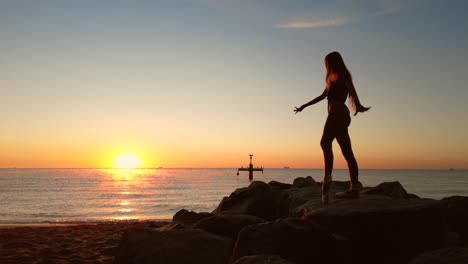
<point x="336" y="70"/>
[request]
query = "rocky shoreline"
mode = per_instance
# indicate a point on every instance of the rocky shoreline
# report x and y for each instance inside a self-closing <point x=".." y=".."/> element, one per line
<point x="273" y="222"/>
<point x="287" y="223"/>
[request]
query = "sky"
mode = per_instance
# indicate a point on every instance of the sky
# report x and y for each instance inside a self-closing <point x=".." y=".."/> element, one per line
<point x="204" y="83"/>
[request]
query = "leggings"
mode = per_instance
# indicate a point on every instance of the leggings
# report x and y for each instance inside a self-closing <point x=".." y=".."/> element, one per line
<point x="336" y="126"/>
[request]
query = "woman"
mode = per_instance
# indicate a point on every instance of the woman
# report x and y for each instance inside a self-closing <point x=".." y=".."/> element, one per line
<point x="339" y="86"/>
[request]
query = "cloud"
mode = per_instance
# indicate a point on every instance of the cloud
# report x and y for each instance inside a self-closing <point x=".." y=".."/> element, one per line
<point x="305" y="14"/>
<point x="353" y="12"/>
<point x="318" y="23"/>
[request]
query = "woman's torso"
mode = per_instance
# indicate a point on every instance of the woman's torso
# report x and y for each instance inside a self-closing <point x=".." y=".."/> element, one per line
<point x="337" y="94"/>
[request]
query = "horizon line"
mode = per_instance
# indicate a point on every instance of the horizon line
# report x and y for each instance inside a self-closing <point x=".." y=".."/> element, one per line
<point x="155" y="168"/>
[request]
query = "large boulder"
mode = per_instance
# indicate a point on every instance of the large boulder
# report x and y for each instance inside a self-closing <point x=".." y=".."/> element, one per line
<point x="383" y="229"/>
<point x="443" y="256"/>
<point x="145" y="245"/>
<point x="228" y="225"/>
<point x="306" y="190"/>
<point x="262" y="259"/>
<point x="457" y="215"/>
<point x="189" y="218"/>
<point x="390" y="189"/>
<point x="292" y="239"/>
<point x="259" y="199"/>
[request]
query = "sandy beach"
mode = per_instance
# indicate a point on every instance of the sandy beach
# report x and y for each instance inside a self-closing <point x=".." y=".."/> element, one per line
<point x="63" y="243"/>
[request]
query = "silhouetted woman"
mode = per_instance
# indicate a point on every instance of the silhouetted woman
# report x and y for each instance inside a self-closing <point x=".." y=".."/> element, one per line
<point x="339" y="86"/>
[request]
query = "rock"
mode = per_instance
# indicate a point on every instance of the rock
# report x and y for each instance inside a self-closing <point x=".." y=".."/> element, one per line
<point x="155" y="224"/>
<point x="457" y="215"/>
<point x="145" y="245"/>
<point x="443" y="256"/>
<point x="262" y="259"/>
<point x="189" y="218"/>
<point x="259" y="199"/>
<point x="171" y="226"/>
<point x="302" y="182"/>
<point x="292" y="239"/>
<point x="280" y="185"/>
<point x="390" y="189"/>
<point x="342" y="186"/>
<point x="383" y="229"/>
<point x="412" y="196"/>
<point x="295" y="197"/>
<point x="228" y="225"/>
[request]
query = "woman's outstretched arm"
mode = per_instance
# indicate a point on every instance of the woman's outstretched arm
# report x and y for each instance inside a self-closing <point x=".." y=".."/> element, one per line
<point x="316" y="100"/>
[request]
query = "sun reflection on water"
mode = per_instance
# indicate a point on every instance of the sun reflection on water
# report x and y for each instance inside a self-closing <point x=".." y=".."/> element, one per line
<point x="126" y="182"/>
<point x="124" y="203"/>
<point x="126" y="175"/>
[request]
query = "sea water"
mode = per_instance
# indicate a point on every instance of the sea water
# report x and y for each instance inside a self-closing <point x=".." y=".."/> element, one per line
<point x="77" y="195"/>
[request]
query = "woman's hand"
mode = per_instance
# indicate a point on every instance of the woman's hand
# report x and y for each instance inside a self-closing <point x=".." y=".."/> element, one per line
<point x="361" y="109"/>
<point x="298" y="109"/>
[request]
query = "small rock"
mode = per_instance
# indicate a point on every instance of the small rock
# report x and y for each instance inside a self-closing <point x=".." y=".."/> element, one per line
<point x="302" y="182"/>
<point x="390" y="189"/>
<point x="189" y="218"/>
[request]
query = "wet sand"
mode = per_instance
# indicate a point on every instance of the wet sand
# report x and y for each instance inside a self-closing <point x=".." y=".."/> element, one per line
<point x="64" y="243"/>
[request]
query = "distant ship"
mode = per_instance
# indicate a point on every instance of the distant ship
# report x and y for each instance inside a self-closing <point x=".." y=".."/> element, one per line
<point x="286" y="167"/>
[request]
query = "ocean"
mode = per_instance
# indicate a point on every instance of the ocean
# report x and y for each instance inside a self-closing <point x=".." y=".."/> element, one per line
<point x="81" y="195"/>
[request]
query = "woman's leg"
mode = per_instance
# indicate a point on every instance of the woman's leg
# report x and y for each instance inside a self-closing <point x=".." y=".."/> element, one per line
<point x="345" y="144"/>
<point x="326" y="143"/>
<point x="328" y="136"/>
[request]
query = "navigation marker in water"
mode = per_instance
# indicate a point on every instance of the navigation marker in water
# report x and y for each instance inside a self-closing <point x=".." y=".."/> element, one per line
<point x="250" y="169"/>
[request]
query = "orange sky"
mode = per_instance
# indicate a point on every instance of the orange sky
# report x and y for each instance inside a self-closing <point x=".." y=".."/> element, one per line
<point x="204" y="84"/>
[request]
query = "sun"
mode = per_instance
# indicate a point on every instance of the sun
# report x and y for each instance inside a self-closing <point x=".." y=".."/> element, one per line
<point x="127" y="161"/>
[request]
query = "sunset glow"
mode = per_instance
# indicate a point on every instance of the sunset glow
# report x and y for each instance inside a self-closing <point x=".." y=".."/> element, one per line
<point x="127" y="161"/>
<point x="139" y="88"/>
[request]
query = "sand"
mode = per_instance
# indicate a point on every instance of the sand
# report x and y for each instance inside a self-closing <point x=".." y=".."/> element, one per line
<point x="71" y="243"/>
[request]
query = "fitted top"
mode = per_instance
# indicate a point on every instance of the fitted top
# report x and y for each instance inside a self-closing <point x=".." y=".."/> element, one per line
<point x="338" y="91"/>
